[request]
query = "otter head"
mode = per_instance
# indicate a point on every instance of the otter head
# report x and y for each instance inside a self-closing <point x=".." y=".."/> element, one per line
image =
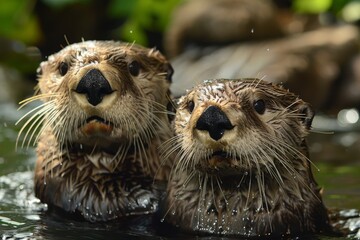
<point x="228" y="127"/>
<point x="104" y="93"/>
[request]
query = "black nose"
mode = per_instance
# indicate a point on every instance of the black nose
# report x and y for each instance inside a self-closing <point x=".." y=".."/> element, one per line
<point x="214" y="121"/>
<point x="95" y="86"/>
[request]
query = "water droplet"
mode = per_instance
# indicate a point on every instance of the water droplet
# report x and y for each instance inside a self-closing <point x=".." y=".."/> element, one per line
<point x="162" y="220"/>
<point x="252" y="30"/>
<point x="268" y="49"/>
<point x="131" y="31"/>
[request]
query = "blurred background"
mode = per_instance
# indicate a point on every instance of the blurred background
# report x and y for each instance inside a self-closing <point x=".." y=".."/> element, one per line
<point x="309" y="46"/>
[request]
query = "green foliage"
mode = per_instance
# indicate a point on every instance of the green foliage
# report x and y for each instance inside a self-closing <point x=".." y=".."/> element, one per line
<point x="142" y="16"/>
<point x="320" y="6"/>
<point x="63" y="3"/>
<point x="131" y="31"/>
<point x="338" y="5"/>
<point x="121" y="8"/>
<point x="312" y="6"/>
<point x="18" y="22"/>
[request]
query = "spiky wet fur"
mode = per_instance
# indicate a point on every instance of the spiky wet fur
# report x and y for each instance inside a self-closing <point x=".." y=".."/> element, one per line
<point x="102" y="176"/>
<point x="264" y="186"/>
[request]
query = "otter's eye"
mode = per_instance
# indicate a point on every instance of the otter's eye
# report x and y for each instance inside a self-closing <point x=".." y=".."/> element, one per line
<point x="63" y="68"/>
<point x="259" y="106"/>
<point x="134" y="68"/>
<point x="190" y="106"/>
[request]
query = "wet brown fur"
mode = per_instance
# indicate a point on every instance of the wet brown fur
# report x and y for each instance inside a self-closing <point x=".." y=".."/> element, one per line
<point x="264" y="185"/>
<point x="103" y="170"/>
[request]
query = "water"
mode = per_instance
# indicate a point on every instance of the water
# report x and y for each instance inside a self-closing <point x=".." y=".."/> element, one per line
<point x="22" y="216"/>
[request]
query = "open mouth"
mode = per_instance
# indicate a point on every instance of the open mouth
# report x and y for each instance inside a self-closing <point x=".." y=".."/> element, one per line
<point x="219" y="158"/>
<point x="220" y="163"/>
<point x="222" y="158"/>
<point x="96" y="125"/>
<point x="97" y="119"/>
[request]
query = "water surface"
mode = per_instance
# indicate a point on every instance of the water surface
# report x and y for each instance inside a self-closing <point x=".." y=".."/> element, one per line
<point x="337" y="169"/>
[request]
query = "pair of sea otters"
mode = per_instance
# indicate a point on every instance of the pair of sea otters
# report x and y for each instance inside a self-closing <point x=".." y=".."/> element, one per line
<point x="234" y="155"/>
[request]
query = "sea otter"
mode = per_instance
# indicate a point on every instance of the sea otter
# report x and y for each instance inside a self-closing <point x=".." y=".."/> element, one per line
<point x="242" y="165"/>
<point x="104" y="114"/>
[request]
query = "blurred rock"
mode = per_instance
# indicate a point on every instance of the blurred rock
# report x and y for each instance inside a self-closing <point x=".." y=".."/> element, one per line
<point x="348" y="93"/>
<point x="306" y="63"/>
<point x="220" y="21"/>
<point x="254" y="38"/>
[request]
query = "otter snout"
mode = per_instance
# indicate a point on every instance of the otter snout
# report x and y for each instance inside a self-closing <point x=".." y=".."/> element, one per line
<point x="214" y="121"/>
<point x="95" y="86"/>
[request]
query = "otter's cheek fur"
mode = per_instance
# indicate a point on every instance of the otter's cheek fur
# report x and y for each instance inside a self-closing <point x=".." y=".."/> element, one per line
<point x="243" y="166"/>
<point x="103" y="117"/>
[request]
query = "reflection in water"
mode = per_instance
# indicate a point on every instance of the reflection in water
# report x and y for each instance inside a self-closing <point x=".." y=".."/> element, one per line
<point x="22" y="216"/>
<point x="352" y="221"/>
<point x="19" y="208"/>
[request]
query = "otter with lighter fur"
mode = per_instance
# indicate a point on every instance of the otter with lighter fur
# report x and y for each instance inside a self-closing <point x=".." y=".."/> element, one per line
<point x="104" y="115"/>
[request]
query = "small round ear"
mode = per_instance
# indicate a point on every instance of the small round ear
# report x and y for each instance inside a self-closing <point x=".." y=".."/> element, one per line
<point x="169" y="72"/>
<point x="307" y="114"/>
<point x="164" y="64"/>
<point x="170" y="107"/>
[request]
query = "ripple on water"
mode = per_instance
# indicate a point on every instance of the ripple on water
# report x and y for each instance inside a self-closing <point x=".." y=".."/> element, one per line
<point x="19" y="206"/>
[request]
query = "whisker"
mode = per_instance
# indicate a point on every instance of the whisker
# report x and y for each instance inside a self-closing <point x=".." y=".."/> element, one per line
<point x="39" y="112"/>
<point x="222" y="192"/>
<point x="26" y="101"/>
<point x="213" y="194"/>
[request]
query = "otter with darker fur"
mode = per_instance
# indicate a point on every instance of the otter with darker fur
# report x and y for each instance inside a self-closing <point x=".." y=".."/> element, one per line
<point x="242" y="164"/>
